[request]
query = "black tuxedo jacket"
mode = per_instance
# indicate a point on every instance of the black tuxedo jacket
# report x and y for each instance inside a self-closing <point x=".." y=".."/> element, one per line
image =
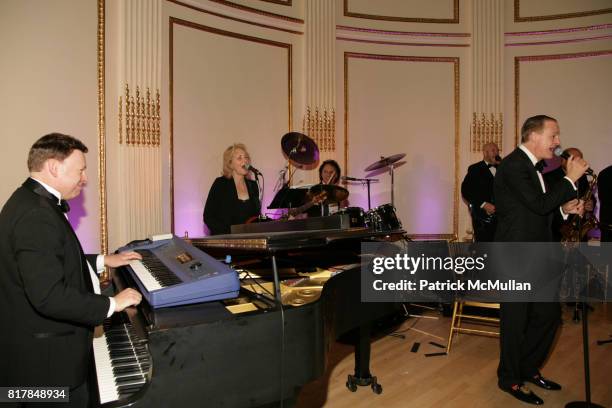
<point x="604" y="192"/>
<point x="47" y="305"/>
<point x="477" y="186"/>
<point x="524" y="212"/>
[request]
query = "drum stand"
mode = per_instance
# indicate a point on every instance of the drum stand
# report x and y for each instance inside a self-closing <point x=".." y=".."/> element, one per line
<point x="369" y="182"/>
<point x="391" y="172"/>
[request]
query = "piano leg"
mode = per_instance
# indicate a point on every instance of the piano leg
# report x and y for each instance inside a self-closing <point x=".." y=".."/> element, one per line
<point x="362" y="376"/>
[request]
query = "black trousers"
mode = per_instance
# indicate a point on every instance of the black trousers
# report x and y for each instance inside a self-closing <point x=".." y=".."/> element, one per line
<point x="484" y="231"/>
<point x="606" y="234"/>
<point x="527" y="332"/>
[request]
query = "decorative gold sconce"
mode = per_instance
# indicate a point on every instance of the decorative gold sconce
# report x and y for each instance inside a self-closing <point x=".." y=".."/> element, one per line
<point x="321" y="128"/>
<point x="483" y="131"/>
<point x="142" y="119"/>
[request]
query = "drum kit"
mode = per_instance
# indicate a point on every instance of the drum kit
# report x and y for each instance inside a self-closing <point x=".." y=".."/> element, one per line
<point x="302" y="151"/>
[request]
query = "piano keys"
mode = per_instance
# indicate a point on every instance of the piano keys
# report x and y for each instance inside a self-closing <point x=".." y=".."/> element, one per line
<point x="122" y="360"/>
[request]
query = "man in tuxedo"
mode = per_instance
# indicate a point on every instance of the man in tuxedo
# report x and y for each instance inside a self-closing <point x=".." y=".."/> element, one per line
<point x="49" y="293"/>
<point x="477" y="190"/>
<point x="525" y="207"/>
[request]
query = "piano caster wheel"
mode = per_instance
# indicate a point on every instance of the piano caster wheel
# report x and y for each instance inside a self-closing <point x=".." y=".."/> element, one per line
<point x="352" y="382"/>
<point x="376" y="388"/>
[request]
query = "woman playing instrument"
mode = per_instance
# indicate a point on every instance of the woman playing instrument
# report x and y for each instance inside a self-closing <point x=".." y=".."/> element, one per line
<point x="329" y="173"/>
<point x="233" y="198"/>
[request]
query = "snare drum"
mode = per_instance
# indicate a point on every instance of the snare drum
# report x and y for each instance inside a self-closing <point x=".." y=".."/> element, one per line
<point x="383" y="218"/>
<point x="356" y="216"/>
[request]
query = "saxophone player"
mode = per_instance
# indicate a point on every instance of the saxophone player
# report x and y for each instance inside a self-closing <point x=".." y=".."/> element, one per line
<point x="553" y="177"/>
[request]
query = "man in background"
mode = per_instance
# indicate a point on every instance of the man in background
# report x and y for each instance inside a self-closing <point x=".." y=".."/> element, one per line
<point x="477" y="190"/>
<point x="604" y="192"/>
<point x="555" y="176"/>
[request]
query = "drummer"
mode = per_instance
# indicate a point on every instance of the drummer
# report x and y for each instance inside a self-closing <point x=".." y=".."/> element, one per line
<point x="329" y="173"/>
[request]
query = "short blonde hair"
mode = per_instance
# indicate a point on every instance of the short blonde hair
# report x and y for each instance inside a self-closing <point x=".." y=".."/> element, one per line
<point x="227" y="158"/>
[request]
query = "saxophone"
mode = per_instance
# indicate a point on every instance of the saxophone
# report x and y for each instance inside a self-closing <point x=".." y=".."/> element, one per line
<point x="577" y="229"/>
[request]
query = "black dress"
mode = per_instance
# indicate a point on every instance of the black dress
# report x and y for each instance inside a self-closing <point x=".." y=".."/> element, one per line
<point x="223" y="208"/>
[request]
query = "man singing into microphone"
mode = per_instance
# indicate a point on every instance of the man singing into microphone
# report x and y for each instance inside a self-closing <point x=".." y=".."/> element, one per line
<point x="233" y="198"/>
<point x="525" y="208"/>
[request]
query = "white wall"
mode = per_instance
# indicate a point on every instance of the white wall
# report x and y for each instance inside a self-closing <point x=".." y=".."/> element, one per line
<point x="48" y="78"/>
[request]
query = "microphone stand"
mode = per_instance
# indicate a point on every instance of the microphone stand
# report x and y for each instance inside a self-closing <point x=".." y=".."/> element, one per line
<point x="587" y="371"/>
<point x="261" y="193"/>
<point x="368" y="183"/>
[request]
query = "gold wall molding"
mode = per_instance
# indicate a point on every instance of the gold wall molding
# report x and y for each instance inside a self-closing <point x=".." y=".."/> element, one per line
<point x="102" y="128"/>
<point x="486" y="129"/>
<point x="281" y="2"/>
<point x="533" y="58"/>
<point x="411" y="44"/>
<point x="453" y="20"/>
<point x="519" y="19"/>
<point x="142" y="119"/>
<point x="257" y="11"/>
<point x="457" y="87"/>
<point x="243" y="8"/>
<point x="180" y="22"/>
<point x="321" y="127"/>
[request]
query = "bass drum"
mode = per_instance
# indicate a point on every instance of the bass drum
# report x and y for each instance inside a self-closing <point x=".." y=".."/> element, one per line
<point x="383" y="218"/>
<point x="356" y="216"/>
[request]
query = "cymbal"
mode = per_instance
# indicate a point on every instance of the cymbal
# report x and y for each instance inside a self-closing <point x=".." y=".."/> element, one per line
<point x="384" y="170"/>
<point x="385" y="161"/>
<point x="300" y="148"/>
<point x="334" y="193"/>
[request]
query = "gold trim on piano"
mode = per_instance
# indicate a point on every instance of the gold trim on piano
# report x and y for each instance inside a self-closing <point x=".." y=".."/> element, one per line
<point x="256" y="243"/>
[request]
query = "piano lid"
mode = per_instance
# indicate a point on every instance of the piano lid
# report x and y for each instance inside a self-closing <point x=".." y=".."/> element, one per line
<point x="287" y="240"/>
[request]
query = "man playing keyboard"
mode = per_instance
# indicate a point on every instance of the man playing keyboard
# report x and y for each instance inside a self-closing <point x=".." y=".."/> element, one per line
<point x="49" y="293"/>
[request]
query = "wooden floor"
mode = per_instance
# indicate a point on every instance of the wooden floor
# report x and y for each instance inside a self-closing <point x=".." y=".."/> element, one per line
<point x="467" y="376"/>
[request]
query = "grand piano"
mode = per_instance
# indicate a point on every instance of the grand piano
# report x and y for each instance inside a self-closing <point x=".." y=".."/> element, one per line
<point x="300" y="291"/>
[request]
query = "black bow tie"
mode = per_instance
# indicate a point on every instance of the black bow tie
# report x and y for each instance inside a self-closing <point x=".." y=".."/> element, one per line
<point x="64" y="206"/>
<point x="489" y="165"/>
<point x="539" y="166"/>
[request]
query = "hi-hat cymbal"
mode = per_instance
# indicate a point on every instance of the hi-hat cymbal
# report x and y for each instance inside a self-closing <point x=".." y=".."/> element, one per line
<point x="334" y="193"/>
<point x="385" y="161"/>
<point x="300" y="148"/>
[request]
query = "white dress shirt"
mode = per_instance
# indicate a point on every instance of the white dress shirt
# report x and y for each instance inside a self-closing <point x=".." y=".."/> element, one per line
<point x="534" y="160"/>
<point x="99" y="260"/>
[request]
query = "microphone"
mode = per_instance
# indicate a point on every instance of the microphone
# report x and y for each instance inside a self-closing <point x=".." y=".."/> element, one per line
<point x="248" y="167"/>
<point x="498" y="158"/>
<point x="560" y="153"/>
